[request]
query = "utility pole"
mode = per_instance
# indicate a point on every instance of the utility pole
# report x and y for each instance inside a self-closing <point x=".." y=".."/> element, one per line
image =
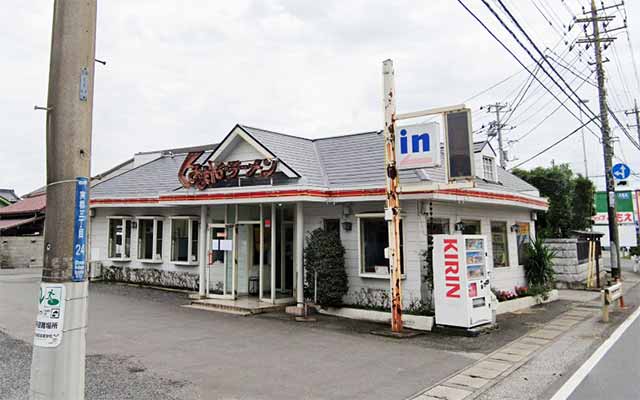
<point x="495" y="129"/>
<point x="637" y="114"/>
<point x="392" y="210"/>
<point x="584" y="146"/>
<point x="607" y="145"/>
<point x="58" y="364"/>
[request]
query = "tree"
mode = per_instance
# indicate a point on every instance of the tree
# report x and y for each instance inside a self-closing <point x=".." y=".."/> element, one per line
<point x="324" y="255"/>
<point x="583" y="203"/>
<point x="570" y="199"/>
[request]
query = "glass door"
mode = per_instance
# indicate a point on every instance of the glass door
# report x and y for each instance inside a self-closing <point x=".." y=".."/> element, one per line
<point x="220" y="269"/>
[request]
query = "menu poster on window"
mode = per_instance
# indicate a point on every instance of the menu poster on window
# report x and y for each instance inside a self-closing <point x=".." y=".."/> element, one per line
<point x="499" y="248"/>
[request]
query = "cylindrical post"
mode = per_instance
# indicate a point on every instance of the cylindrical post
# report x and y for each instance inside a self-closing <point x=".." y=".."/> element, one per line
<point x="202" y="251"/>
<point x="392" y="192"/>
<point x="299" y="246"/>
<point x="58" y="363"/>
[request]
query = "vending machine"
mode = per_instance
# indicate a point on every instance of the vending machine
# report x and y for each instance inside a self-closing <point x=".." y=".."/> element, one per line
<point x="461" y="280"/>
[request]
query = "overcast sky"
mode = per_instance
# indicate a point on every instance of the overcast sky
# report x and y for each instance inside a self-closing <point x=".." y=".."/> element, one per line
<point x="182" y="73"/>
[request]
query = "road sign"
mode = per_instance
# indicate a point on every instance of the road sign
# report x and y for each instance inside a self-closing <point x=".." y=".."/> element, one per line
<point x="621" y="171"/>
<point x="80" y="229"/>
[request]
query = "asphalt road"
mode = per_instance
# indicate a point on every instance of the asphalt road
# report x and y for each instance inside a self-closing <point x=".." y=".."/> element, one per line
<point x="617" y="375"/>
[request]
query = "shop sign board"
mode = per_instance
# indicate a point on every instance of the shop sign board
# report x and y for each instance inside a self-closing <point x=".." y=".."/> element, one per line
<point x="209" y="173"/>
<point x="50" y="319"/>
<point x="624" y="208"/>
<point x="418" y="146"/>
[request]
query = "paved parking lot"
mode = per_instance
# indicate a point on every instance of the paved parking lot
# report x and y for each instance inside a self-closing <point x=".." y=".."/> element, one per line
<point x="190" y="353"/>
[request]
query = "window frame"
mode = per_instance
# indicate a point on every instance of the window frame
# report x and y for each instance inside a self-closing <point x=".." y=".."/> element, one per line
<point x="492" y="162"/>
<point x="190" y="220"/>
<point x="123" y="220"/>
<point x="154" y="250"/>
<point x="506" y="244"/>
<point x="361" y="258"/>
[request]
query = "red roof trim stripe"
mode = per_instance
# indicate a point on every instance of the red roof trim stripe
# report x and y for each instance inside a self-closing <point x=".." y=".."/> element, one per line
<point x="319" y="193"/>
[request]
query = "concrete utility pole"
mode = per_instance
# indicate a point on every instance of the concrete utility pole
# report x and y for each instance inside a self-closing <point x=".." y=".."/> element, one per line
<point x="496" y="128"/>
<point x="392" y="211"/>
<point x="58" y="364"/>
<point x="637" y="114"/>
<point x="607" y="144"/>
<point x="584" y="146"/>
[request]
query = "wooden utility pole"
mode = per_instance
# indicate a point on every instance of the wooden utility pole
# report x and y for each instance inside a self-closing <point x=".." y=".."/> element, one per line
<point x="392" y="210"/>
<point x="607" y="144"/>
<point x="58" y="364"/>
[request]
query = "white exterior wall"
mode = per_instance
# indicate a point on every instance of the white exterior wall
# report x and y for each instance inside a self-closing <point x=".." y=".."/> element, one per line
<point x="415" y="238"/>
<point x="414" y="241"/>
<point x="100" y="235"/>
<point x="503" y="278"/>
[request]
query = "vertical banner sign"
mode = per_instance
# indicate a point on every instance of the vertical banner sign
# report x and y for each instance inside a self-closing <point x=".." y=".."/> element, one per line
<point x="50" y="315"/>
<point x="80" y="230"/>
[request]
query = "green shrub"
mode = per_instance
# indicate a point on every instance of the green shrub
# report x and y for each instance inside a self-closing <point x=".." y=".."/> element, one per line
<point x="539" y="266"/>
<point x="324" y="255"/>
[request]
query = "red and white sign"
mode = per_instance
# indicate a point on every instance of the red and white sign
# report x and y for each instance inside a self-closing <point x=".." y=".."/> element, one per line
<point x="621" y="217"/>
<point x="452" y="268"/>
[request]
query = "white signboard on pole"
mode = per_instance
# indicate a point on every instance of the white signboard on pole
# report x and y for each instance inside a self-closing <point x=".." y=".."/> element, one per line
<point x="418" y="146"/>
<point x="50" y="315"/>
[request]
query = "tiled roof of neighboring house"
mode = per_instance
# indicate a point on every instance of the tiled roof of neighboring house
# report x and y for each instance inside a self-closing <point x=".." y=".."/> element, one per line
<point x="9" y="195"/>
<point x="354" y="160"/>
<point x="27" y="205"/>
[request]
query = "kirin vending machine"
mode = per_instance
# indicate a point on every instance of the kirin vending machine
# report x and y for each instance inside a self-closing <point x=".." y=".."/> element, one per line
<point x="461" y="284"/>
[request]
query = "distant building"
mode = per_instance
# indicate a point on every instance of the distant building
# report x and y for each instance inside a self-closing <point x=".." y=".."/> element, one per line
<point x="7" y="197"/>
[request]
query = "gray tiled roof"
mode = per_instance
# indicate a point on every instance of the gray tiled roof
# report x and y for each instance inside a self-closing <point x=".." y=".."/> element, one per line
<point x="298" y="153"/>
<point x="147" y="180"/>
<point x="355" y="160"/>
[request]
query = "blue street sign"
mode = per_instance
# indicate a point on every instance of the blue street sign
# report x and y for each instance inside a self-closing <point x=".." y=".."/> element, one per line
<point x="80" y="229"/>
<point x="621" y="171"/>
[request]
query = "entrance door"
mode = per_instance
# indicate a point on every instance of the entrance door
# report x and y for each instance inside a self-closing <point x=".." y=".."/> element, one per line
<point x="220" y="269"/>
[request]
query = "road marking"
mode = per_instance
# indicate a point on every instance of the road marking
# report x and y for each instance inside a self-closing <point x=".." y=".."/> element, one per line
<point x="567" y="389"/>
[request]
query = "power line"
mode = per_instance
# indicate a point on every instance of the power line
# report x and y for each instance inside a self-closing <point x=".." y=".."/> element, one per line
<point x="518" y="60"/>
<point x="554" y="144"/>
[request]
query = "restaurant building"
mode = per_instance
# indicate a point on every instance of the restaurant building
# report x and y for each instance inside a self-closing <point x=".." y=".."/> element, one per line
<point x="231" y="220"/>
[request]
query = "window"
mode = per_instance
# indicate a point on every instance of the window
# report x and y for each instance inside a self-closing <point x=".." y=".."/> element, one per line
<point x="374" y="238"/>
<point x="332" y="225"/>
<point x="184" y="240"/>
<point x="488" y="166"/>
<point x="119" y="238"/>
<point x="522" y="238"/>
<point x="499" y="243"/>
<point x="150" y="239"/>
<point x="471" y="227"/>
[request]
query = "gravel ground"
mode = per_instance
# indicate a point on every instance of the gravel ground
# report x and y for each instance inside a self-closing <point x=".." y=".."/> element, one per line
<point x="108" y="377"/>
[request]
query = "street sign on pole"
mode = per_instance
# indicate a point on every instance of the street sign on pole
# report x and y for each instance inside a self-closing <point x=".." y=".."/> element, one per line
<point x="621" y="171"/>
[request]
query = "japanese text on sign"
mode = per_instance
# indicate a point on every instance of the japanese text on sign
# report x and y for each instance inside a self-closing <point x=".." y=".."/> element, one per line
<point x="80" y="229"/>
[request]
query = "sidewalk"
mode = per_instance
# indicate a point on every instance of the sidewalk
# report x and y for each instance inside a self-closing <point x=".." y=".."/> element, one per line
<point x="535" y="365"/>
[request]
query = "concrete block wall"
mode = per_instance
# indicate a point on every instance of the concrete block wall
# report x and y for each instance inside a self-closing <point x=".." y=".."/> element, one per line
<point x="21" y="251"/>
<point x="569" y="274"/>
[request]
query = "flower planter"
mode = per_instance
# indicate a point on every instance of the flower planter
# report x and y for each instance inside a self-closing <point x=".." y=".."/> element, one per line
<point x="417" y="322"/>
<point x="524" y="302"/>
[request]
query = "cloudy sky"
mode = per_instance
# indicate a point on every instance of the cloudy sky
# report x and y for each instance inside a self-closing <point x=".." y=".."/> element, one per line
<point x="183" y="73"/>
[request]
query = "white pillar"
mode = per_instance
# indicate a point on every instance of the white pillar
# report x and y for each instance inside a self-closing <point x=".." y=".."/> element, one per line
<point x="299" y="254"/>
<point x="202" y="250"/>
